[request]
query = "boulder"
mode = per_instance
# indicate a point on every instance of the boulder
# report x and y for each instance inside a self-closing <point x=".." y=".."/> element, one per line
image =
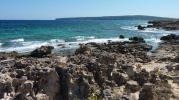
<point x="142" y="77"/>
<point x="129" y="69"/>
<point x="84" y="49"/>
<point x="165" y="24"/>
<point x="50" y="84"/>
<point x="2" y="89"/>
<point x="148" y="92"/>
<point x="42" y="51"/>
<point x="137" y="39"/>
<point x="171" y="37"/>
<point x="120" y="78"/>
<point x="121" y="36"/>
<point x="83" y="88"/>
<point x="139" y="27"/>
<point x="61" y="45"/>
<point x="132" y="86"/>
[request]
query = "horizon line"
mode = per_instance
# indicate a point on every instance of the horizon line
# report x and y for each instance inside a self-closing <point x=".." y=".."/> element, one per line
<point x="89" y="17"/>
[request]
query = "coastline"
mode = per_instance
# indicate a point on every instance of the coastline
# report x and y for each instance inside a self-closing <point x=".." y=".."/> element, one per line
<point x="117" y="70"/>
<point x="24" y="37"/>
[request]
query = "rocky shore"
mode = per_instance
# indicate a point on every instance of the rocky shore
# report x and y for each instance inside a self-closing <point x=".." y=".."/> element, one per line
<point x="163" y="24"/>
<point x="110" y="71"/>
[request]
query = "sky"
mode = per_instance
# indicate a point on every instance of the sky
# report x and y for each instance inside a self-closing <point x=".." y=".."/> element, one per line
<point x="51" y="9"/>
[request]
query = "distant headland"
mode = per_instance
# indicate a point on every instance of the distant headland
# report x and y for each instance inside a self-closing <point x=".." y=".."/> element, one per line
<point x="126" y="17"/>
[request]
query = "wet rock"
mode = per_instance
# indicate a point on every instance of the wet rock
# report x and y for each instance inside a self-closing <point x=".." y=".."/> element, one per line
<point x="137" y="39"/>
<point x="165" y="24"/>
<point x="121" y="36"/>
<point x="61" y="45"/>
<point x="139" y="27"/>
<point x="42" y="51"/>
<point x="171" y="37"/>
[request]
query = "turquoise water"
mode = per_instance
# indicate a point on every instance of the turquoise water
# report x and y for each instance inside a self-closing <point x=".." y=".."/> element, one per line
<point x="24" y="36"/>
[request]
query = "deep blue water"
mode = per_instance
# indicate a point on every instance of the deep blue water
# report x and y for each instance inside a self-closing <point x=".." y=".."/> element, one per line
<point x="24" y="36"/>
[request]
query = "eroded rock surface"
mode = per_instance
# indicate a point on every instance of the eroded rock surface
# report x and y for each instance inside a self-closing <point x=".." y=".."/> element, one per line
<point x="114" y="70"/>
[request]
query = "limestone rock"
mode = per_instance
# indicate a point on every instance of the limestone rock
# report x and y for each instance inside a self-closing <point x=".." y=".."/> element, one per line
<point x="132" y="86"/>
<point x="148" y="92"/>
<point x="142" y="77"/>
<point x="51" y="85"/>
<point x="120" y="78"/>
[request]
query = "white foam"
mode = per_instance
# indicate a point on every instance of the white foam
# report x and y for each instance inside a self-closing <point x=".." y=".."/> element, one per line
<point x="56" y="41"/>
<point x="18" y="40"/>
<point x="149" y="30"/>
<point x="28" y="46"/>
<point x="154" y="40"/>
<point x="131" y="28"/>
<point x="105" y="40"/>
<point x="31" y="45"/>
<point x="154" y="30"/>
<point x="1" y="44"/>
<point x="82" y="38"/>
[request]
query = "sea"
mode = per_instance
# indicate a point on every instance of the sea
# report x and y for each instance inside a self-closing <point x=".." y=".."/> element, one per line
<point x="26" y="35"/>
